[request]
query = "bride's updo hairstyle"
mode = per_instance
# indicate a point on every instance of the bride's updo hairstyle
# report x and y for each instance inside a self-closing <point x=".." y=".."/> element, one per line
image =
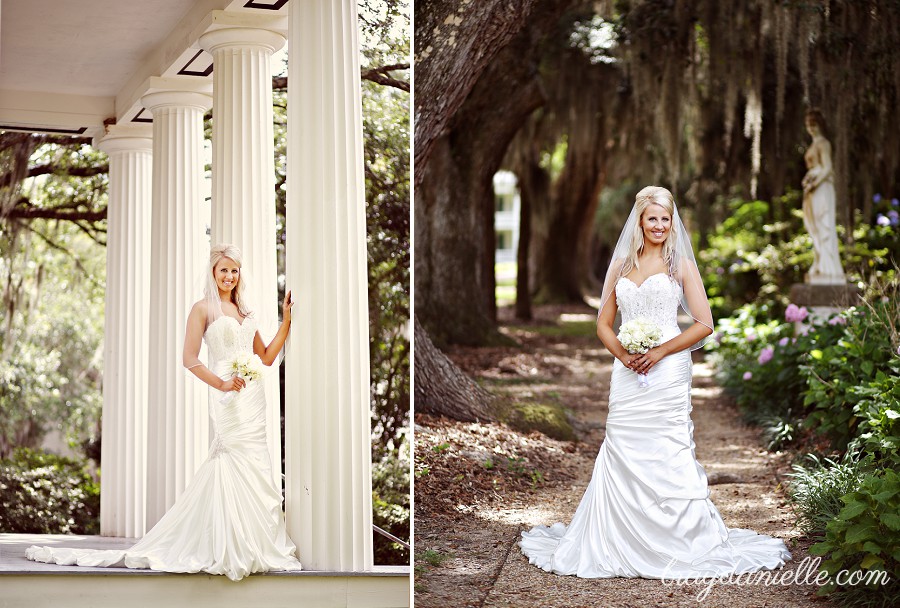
<point x="652" y="195"/>
<point x="211" y="289"/>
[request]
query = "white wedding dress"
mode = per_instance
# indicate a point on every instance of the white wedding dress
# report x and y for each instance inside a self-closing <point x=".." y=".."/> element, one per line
<point x="646" y="512"/>
<point x="229" y="519"/>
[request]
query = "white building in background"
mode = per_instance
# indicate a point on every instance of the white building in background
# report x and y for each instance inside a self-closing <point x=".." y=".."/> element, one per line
<point x="506" y="216"/>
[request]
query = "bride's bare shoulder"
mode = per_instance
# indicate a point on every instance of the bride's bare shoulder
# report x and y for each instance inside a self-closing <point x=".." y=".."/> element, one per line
<point x="199" y="309"/>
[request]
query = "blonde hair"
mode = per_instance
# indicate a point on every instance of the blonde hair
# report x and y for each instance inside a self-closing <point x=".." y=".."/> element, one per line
<point x="652" y="195"/>
<point x="211" y="289"/>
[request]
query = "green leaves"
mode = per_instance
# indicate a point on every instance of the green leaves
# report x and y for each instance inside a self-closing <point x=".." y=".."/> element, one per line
<point x="866" y="533"/>
<point x="43" y="493"/>
<point x="852" y="510"/>
<point x="891" y="520"/>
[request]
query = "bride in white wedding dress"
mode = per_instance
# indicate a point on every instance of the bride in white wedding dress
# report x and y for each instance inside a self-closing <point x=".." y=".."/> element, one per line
<point x="646" y="512"/>
<point x="229" y="519"/>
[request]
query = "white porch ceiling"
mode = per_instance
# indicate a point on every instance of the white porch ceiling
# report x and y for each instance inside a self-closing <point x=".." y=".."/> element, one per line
<point x="68" y="65"/>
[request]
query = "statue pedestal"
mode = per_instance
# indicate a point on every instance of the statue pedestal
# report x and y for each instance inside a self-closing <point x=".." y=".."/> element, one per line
<point x="823" y="300"/>
<point x="833" y="280"/>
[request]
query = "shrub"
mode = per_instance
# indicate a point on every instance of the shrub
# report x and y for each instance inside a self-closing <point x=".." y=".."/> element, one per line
<point x="758" y="362"/>
<point x="878" y="412"/>
<point x="815" y="491"/>
<point x="43" y="493"/>
<point x="834" y="370"/>
<point x="865" y="537"/>
<point x="390" y="509"/>
<point x="762" y="248"/>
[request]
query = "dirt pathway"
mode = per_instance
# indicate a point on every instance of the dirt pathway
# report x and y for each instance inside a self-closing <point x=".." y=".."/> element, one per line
<point x="478" y="486"/>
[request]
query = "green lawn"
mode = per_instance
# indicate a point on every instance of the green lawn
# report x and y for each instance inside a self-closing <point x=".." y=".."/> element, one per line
<point x="505" y="292"/>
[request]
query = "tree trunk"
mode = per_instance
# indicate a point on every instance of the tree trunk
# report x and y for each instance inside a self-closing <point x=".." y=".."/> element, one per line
<point x="454" y="42"/>
<point x="532" y="184"/>
<point x="563" y="221"/>
<point x="443" y="389"/>
<point x="455" y="283"/>
<point x="523" y="158"/>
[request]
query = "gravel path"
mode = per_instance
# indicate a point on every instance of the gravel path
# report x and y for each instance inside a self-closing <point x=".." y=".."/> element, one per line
<point x="469" y="516"/>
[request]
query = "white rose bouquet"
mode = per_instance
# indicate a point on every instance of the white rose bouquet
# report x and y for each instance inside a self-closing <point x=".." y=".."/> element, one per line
<point x="638" y="336"/>
<point x="247" y="366"/>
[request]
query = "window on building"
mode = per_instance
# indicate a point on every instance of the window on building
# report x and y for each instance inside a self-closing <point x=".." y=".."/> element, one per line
<point x="504" y="239"/>
<point x="503" y="202"/>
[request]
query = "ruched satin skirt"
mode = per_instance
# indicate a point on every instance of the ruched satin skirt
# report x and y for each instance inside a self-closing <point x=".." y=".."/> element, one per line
<point x="646" y="512"/>
<point x="227" y="521"/>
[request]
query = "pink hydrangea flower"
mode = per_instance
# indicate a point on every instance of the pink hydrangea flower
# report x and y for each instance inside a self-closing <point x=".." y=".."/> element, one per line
<point x="793" y="313"/>
<point x="837" y="321"/>
<point x="766" y="355"/>
<point x="750" y="337"/>
<point x="783" y="342"/>
<point x="748" y="375"/>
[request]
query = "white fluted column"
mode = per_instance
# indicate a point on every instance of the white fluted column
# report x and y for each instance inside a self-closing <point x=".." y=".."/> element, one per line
<point x="327" y="427"/>
<point x="178" y="427"/>
<point x="243" y="176"/>
<point x="126" y="334"/>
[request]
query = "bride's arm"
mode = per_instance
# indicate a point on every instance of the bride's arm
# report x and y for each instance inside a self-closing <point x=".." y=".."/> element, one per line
<point x="269" y="353"/>
<point x="608" y="336"/>
<point x="193" y="336"/>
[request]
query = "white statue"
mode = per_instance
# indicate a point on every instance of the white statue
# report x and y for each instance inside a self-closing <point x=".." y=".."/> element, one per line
<point x="819" y="206"/>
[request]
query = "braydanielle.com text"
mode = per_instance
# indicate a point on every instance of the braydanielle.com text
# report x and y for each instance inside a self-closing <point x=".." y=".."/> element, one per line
<point x="807" y="573"/>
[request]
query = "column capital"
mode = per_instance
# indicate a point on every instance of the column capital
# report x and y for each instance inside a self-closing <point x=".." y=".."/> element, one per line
<point x="241" y="37"/>
<point x="162" y="99"/>
<point x="126" y="138"/>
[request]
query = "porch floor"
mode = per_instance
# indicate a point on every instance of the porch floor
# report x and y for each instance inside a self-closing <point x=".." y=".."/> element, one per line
<point x="24" y="583"/>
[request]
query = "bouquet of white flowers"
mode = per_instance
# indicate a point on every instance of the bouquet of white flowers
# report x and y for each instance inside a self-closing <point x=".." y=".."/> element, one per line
<point x="639" y="336"/>
<point x="247" y="366"/>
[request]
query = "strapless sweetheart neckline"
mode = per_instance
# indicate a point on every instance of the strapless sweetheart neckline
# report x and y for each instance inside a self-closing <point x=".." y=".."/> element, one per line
<point x="655" y="274"/>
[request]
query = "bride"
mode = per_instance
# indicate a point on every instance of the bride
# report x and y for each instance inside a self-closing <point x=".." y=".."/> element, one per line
<point x="646" y="512"/>
<point x="228" y="520"/>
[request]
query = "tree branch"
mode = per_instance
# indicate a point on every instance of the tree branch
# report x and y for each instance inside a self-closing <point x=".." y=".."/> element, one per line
<point x="380" y="76"/>
<point x="6" y="179"/>
<point x="377" y="75"/>
<point x="51" y="213"/>
<point x="59" y="247"/>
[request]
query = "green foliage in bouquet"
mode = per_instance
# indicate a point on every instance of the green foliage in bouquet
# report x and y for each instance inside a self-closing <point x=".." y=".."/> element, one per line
<point x="43" y="493"/>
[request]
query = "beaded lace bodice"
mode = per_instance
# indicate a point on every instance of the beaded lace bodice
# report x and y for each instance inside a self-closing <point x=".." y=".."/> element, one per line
<point x="225" y="337"/>
<point x="656" y="299"/>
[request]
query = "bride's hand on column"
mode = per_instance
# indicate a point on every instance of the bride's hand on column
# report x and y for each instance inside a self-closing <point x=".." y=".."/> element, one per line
<point x="286" y="307"/>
